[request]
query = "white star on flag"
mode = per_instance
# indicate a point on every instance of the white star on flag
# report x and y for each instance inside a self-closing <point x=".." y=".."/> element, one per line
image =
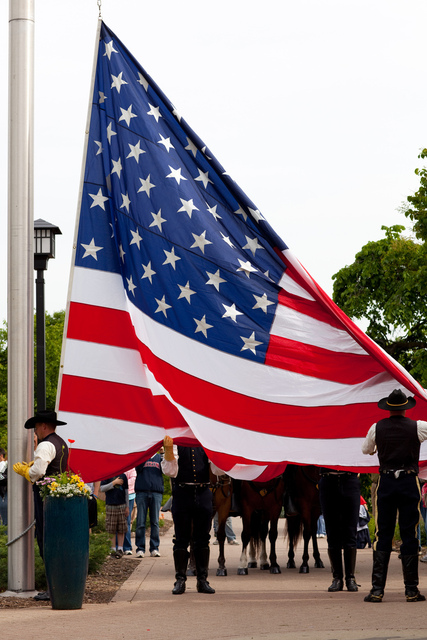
<point x="163" y="306"/>
<point x="98" y="199"/>
<point x="262" y="302"/>
<point x="146" y="185"/>
<point x="186" y="292"/>
<point x="250" y="343"/>
<point x="171" y="258"/>
<point x="118" y="81"/>
<point x="136" y="238"/>
<point x="202" y="326"/>
<point x="127" y="115"/>
<point x="231" y="312"/>
<point x="135" y="150"/>
<point x="91" y="249"/>
<point x="148" y="272"/>
<point x="215" y="279"/>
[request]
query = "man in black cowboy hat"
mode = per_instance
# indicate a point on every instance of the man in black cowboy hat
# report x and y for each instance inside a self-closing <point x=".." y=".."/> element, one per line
<point x="397" y="439"/>
<point x="50" y="457"/>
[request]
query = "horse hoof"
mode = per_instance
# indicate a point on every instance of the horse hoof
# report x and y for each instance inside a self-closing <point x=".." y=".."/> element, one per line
<point x="252" y="565"/>
<point x="275" y="570"/>
<point x="304" y="569"/>
<point x="264" y="567"/>
<point x="319" y="564"/>
<point x="242" y="572"/>
<point x="221" y="571"/>
<point x="291" y="565"/>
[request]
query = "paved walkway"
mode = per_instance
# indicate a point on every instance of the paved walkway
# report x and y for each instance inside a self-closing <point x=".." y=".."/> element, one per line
<point x="259" y="606"/>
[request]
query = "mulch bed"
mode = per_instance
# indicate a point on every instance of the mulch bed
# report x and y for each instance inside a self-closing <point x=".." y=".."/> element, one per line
<point x="100" y="587"/>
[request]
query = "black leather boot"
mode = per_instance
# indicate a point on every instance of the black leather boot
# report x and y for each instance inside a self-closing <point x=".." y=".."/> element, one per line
<point x="335" y="558"/>
<point x="349" y="567"/>
<point x="379" y="576"/>
<point x="202" y="564"/>
<point x="410" y="578"/>
<point x="180" y="557"/>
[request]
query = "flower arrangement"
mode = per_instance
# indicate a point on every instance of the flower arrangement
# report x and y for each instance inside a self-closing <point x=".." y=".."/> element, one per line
<point x="63" y="485"/>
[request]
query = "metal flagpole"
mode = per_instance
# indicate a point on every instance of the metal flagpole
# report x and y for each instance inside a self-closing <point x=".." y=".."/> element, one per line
<point x="20" y="314"/>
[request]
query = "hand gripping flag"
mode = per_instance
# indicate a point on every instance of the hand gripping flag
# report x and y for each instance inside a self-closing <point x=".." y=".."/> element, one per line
<point x="188" y="316"/>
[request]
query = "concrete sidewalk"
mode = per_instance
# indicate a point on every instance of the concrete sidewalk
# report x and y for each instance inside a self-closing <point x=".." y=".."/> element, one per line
<point x="258" y="606"/>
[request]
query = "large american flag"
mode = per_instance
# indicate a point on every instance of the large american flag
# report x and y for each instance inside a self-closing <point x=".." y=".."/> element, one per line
<point x="189" y="316"/>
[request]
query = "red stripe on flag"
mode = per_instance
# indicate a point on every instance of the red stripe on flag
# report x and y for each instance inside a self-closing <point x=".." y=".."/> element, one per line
<point x="309" y="308"/>
<point x="117" y="401"/>
<point x="101" y="325"/>
<point x="309" y="360"/>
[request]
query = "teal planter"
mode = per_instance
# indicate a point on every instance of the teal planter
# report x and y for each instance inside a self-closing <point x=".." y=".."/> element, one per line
<point x="66" y="550"/>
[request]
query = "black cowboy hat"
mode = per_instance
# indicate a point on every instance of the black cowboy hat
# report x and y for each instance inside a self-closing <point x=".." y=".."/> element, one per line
<point x="43" y="416"/>
<point x="397" y="401"/>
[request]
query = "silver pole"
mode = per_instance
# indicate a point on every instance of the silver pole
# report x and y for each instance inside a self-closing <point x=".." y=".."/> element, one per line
<point x="20" y="314"/>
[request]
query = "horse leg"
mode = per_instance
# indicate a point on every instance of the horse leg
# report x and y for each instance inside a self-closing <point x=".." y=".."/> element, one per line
<point x="242" y="569"/>
<point x="191" y="569"/>
<point x="263" y="562"/>
<point x="291" y="552"/>
<point x="274" y="566"/>
<point x="304" y="568"/>
<point x="221" y="571"/>
<point x="318" y="564"/>
<point x="220" y="534"/>
<point x="252" y="564"/>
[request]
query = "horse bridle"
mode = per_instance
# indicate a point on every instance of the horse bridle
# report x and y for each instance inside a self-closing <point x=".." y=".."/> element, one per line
<point x="221" y="482"/>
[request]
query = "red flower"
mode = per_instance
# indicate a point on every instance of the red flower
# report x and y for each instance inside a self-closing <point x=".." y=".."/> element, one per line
<point x="70" y="441"/>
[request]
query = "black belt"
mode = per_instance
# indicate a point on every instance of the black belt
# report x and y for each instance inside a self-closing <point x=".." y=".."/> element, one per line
<point x="338" y="473"/>
<point x="398" y="472"/>
<point x="194" y="484"/>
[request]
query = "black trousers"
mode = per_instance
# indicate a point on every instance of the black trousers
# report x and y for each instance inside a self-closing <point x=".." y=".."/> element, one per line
<point x="398" y="496"/>
<point x="192" y="516"/>
<point x="340" y="501"/>
<point x="38" y="516"/>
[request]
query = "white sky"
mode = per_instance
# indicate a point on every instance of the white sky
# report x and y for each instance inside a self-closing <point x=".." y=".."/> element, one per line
<point x="317" y="109"/>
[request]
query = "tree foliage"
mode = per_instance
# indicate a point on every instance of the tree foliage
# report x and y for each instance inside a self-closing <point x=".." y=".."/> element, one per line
<point x="386" y="286"/>
<point x="54" y="330"/>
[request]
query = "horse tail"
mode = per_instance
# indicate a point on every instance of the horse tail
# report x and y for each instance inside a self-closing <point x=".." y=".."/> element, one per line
<point x="294" y="528"/>
<point x="255" y="529"/>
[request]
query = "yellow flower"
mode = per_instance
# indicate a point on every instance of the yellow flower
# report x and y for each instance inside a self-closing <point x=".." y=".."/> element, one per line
<point x="53" y="486"/>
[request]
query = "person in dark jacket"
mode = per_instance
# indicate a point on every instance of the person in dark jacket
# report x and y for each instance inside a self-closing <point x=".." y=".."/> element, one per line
<point x="3" y="486"/>
<point x="397" y="439"/>
<point x="50" y="458"/>
<point x="339" y="493"/>
<point x="116" y="511"/>
<point x="148" y="496"/>
<point x="192" y="511"/>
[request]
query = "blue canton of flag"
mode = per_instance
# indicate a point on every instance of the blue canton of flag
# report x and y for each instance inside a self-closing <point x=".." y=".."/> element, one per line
<point x="159" y="209"/>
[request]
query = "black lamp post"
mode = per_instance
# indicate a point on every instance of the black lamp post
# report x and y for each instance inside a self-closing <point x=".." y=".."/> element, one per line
<point x="44" y="248"/>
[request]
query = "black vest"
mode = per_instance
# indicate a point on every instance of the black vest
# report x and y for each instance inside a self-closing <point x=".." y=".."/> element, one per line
<point x="59" y="463"/>
<point x="193" y="465"/>
<point x="398" y="444"/>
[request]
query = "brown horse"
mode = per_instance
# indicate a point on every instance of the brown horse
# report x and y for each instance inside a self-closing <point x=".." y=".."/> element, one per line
<point x="302" y="491"/>
<point x="222" y="491"/>
<point x="261" y="506"/>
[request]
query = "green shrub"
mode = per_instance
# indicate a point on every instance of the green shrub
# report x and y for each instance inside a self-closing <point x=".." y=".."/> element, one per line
<point x="99" y="549"/>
